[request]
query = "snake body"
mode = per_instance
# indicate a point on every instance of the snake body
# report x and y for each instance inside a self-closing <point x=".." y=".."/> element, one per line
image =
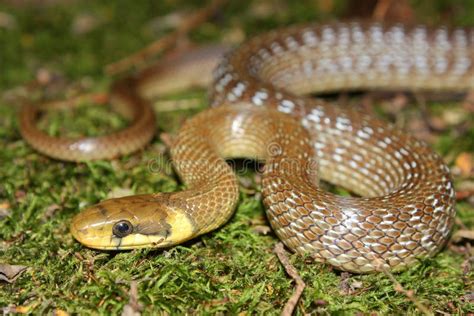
<point x="406" y="208"/>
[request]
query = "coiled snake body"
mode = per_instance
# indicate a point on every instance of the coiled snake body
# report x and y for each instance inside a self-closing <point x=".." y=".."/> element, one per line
<point x="406" y="208"/>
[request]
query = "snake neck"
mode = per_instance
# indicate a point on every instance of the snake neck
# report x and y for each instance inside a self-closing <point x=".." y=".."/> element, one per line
<point x="201" y="148"/>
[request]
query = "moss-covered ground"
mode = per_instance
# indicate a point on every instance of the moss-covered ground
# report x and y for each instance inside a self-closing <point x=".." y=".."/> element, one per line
<point x="230" y="271"/>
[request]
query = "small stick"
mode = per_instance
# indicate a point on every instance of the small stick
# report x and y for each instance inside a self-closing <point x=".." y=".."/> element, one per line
<point x="282" y="255"/>
<point x="167" y="139"/>
<point x="408" y="293"/>
<point x="381" y="9"/>
<point x="167" y="41"/>
<point x="133" y="307"/>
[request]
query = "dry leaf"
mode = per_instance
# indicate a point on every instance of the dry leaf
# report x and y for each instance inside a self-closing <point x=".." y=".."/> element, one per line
<point x="454" y="116"/>
<point x="50" y="210"/>
<point x="464" y="162"/>
<point x="468" y="103"/>
<point x="5" y="209"/>
<point x="165" y="22"/>
<point x="60" y="312"/>
<point x="12" y="309"/>
<point x="233" y="36"/>
<point x="321" y="302"/>
<point x="263" y="9"/>
<point x="465" y="190"/>
<point x="261" y="229"/>
<point x="167" y="139"/>
<point x="119" y="192"/>
<point x="44" y="76"/>
<point x="7" y="21"/>
<point x="217" y="302"/>
<point x="20" y="195"/>
<point x="326" y="6"/>
<point x="389" y="10"/>
<point x="349" y="286"/>
<point x="9" y="273"/>
<point x="469" y="297"/>
<point x="463" y="234"/>
<point x="84" y="23"/>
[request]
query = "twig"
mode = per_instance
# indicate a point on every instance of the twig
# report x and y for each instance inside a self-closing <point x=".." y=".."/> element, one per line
<point x="408" y="293"/>
<point x="381" y="9"/>
<point x="163" y="106"/>
<point x="97" y="98"/>
<point x="133" y="307"/>
<point x="300" y="285"/>
<point x="464" y="194"/>
<point x="426" y="115"/>
<point x="167" y="41"/>
<point x="468" y="102"/>
<point x="167" y="139"/>
<point x="467" y="264"/>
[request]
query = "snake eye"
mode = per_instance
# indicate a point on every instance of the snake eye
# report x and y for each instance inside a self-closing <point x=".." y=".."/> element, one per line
<point x="122" y="228"/>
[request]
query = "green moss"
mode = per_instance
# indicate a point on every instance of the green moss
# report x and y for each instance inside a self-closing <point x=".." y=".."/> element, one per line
<point x="230" y="270"/>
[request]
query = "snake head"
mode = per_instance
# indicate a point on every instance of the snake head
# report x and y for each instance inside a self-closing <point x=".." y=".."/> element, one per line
<point x="137" y="221"/>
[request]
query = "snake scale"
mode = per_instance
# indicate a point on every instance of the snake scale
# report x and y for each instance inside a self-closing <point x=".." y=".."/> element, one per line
<point x="260" y="109"/>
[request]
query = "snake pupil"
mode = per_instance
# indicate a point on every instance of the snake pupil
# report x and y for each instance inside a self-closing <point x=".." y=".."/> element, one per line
<point x="122" y="228"/>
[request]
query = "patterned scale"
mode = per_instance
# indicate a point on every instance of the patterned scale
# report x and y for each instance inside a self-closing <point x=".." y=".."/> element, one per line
<point x="405" y="204"/>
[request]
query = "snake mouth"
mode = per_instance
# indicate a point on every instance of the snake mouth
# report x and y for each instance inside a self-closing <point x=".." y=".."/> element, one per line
<point x="99" y="239"/>
<point x="119" y="244"/>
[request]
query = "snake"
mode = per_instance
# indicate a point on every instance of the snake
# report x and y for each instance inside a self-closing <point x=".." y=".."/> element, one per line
<point x="403" y="204"/>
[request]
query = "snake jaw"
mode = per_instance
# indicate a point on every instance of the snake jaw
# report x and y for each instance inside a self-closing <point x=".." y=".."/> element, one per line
<point x="156" y="223"/>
